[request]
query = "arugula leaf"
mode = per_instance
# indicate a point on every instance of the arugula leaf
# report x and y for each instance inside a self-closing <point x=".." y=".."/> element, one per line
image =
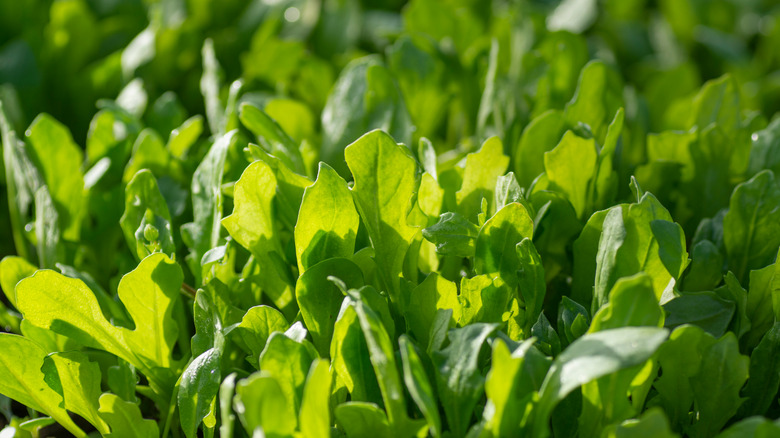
<point x="262" y="405"/>
<point x="716" y="386"/>
<point x="571" y="167"/>
<point x="314" y="416"/>
<point x="453" y="235"/>
<point x="764" y="379"/>
<point x="198" y="389"/>
<point x="531" y="281"/>
<point x="382" y="358"/>
<point x="364" y="98"/>
<point x="203" y="234"/>
<point x="327" y="221"/>
<point x="480" y="174"/>
<point x="146" y="207"/>
<point x="495" y="247"/>
<point x="541" y="135"/>
<point x="66" y="306"/>
<point x="59" y="160"/>
<point x="590" y="357"/>
<point x="252" y="225"/>
<point x="22" y="380"/>
<point x="257" y="326"/>
<point x="279" y="143"/>
<point x="418" y="385"/>
<point x="350" y="357"/>
<point x="513" y="378"/>
<point x="77" y="380"/>
<point x="458" y="379"/>
<point x="433" y="294"/>
<point x="599" y="95"/>
<point x="125" y="418"/>
<point x="750" y="228"/>
<point x="363" y="420"/>
<point x="384" y="184"/>
<point x="320" y="300"/>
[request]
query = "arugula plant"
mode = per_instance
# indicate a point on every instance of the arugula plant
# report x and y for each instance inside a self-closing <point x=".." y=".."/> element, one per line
<point x="379" y="218"/>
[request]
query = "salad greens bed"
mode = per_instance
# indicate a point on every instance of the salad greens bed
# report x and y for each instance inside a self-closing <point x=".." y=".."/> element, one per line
<point x="374" y="218"/>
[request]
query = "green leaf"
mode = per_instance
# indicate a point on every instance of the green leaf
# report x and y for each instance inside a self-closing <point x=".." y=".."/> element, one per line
<point x="77" y="380"/>
<point x="227" y="416"/>
<point x="261" y="402"/>
<point x="717" y="102"/>
<point x="320" y="300"/>
<point x="548" y="339"/>
<point x="671" y="246"/>
<point x="573" y="320"/>
<point x="433" y="294"/>
<point x="22" y="380"/>
<point x="531" y="281"/>
<point x="651" y="424"/>
<point x="252" y="225"/>
<point x="716" y="386"/>
<point x="495" y="247"/>
<point x="125" y="418"/>
<point x="422" y="73"/>
<point x="540" y="136"/>
<point x="706" y="268"/>
<point x="509" y="191"/>
<point x="258" y="324"/>
<point x="289" y="189"/>
<point x="764" y="381"/>
<point x="327" y="221"/>
<point x="419" y="386"/>
<point x="382" y="356"/>
<point x="592" y="356"/>
<point x="66" y="306"/>
<point x="21" y="180"/>
<point x="210" y="84"/>
<point x="47" y="229"/>
<point x="384" y="184"/>
<point x="509" y="387"/>
<point x="185" y="136"/>
<point x="59" y="160"/>
<point x="121" y="379"/>
<point x="149" y="153"/>
<point x="570" y="168"/>
<point x="758" y="427"/>
<point x="279" y="143"/>
<point x="350" y="357"/>
<point x="483" y="298"/>
<point x="599" y="95"/>
<point x="704" y="309"/>
<point x="480" y="174"/>
<point x="364" y="98"/>
<point x="314" y="416"/>
<point x="458" y="377"/>
<point x="363" y="420"/>
<point x="145" y="206"/>
<point x="632" y="303"/>
<point x="758" y="307"/>
<point x="203" y="233"/>
<point x="453" y="235"/>
<point x="628" y="246"/>
<point x="289" y="362"/>
<point x="14" y="269"/>
<point x="751" y="228"/>
<point x="680" y="359"/>
<point x="198" y="390"/>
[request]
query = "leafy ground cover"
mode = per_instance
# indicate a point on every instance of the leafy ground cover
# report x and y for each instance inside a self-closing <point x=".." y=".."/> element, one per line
<point x="446" y="218"/>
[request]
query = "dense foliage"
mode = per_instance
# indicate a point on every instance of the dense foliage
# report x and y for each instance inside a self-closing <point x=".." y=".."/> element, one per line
<point x="374" y="218"/>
